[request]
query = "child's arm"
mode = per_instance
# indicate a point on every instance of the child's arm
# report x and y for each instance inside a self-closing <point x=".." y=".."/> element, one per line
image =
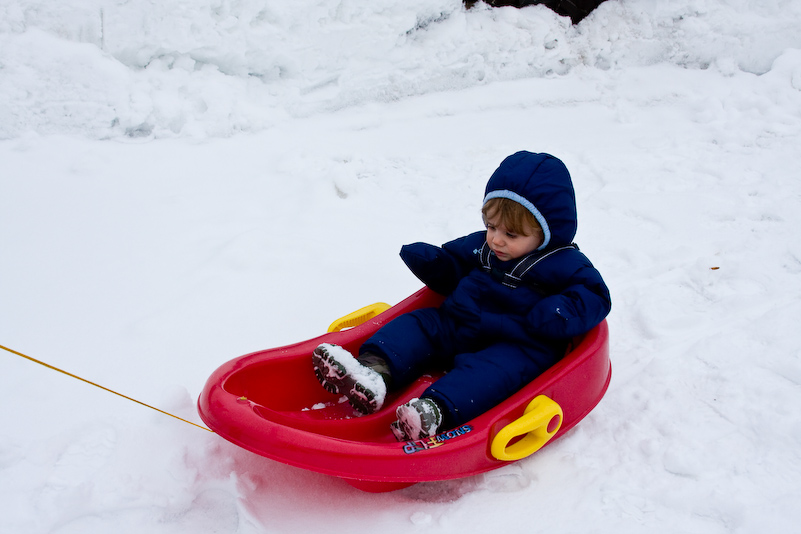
<point x="574" y="306"/>
<point x="442" y="268"/>
<point x="574" y="310"/>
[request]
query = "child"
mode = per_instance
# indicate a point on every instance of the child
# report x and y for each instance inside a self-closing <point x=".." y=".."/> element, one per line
<point x="516" y="294"/>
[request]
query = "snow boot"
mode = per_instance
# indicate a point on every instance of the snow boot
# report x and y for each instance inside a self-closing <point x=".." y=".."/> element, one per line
<point x="341" y="374"/>
<point x="397" y="431"/>
<point x="417" y="419"/>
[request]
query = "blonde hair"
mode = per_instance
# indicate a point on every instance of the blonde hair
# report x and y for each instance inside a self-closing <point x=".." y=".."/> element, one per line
<point x="513" y="215"/>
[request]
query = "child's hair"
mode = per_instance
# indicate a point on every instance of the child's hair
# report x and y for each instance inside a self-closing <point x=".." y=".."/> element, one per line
<point x="511" y="214"/>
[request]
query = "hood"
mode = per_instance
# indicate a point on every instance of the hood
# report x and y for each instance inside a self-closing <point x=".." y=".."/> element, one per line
<point x="542" y="184"/>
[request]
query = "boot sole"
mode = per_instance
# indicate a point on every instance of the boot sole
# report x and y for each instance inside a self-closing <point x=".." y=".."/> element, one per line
<point x="333" y="374"/>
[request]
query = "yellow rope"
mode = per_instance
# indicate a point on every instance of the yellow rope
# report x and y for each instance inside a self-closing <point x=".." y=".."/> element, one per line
<point x="101" y="387"/>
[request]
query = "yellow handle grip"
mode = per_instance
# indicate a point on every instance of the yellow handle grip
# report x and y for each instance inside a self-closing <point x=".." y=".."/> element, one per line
<point x="540" y="421"/>
<point x="358" y="317"/>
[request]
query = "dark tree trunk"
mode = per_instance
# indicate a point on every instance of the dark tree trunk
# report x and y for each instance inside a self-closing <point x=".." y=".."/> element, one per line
<point x="575" y="9"/>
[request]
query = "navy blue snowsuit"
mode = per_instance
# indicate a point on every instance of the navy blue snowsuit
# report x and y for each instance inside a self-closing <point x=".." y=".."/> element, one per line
<point x="502" y="323"/>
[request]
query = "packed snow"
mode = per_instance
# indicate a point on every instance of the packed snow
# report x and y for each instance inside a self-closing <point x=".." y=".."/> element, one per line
<point x="183" y="182"/>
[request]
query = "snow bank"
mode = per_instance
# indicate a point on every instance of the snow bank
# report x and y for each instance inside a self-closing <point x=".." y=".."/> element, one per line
<point x="106" y="68"/>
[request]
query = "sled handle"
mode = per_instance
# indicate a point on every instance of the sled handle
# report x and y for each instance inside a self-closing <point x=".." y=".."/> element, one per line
<point x="540" y="421"/>
<point x="359" y="316"/>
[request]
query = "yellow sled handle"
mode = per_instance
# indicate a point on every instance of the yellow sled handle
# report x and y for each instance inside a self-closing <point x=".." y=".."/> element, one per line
<point x="359" y="316"/>
<point x="540" y="421"/>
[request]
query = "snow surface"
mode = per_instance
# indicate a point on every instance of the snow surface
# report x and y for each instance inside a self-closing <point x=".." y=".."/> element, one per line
<point x="185" y="182"/>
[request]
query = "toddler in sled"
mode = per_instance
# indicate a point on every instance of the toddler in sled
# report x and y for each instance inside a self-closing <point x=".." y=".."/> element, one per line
<point x="516" y="294"/>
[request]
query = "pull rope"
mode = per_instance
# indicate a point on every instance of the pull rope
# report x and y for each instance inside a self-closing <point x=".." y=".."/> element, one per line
<point x="102" y="387"/>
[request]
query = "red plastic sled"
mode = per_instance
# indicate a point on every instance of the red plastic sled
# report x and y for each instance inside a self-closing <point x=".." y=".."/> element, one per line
<point x="270" y="403"/>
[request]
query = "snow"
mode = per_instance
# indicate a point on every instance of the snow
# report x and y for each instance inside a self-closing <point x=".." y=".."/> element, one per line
<point x="185" y="182"/>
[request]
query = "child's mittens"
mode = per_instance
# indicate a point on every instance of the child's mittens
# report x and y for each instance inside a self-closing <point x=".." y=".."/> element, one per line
<point x="554" y="317"/>
<point x="432" y="265"/>
<point x="574" y="311"/>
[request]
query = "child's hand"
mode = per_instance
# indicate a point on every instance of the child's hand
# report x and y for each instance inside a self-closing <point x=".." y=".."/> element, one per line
<point x="432" y="265"/>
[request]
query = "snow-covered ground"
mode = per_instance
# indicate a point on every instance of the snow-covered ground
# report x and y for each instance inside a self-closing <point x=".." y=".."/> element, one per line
<point x="183" y="182"/>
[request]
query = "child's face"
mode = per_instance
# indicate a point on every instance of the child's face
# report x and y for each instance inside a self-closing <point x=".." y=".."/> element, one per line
<point x="508" y="245"/>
